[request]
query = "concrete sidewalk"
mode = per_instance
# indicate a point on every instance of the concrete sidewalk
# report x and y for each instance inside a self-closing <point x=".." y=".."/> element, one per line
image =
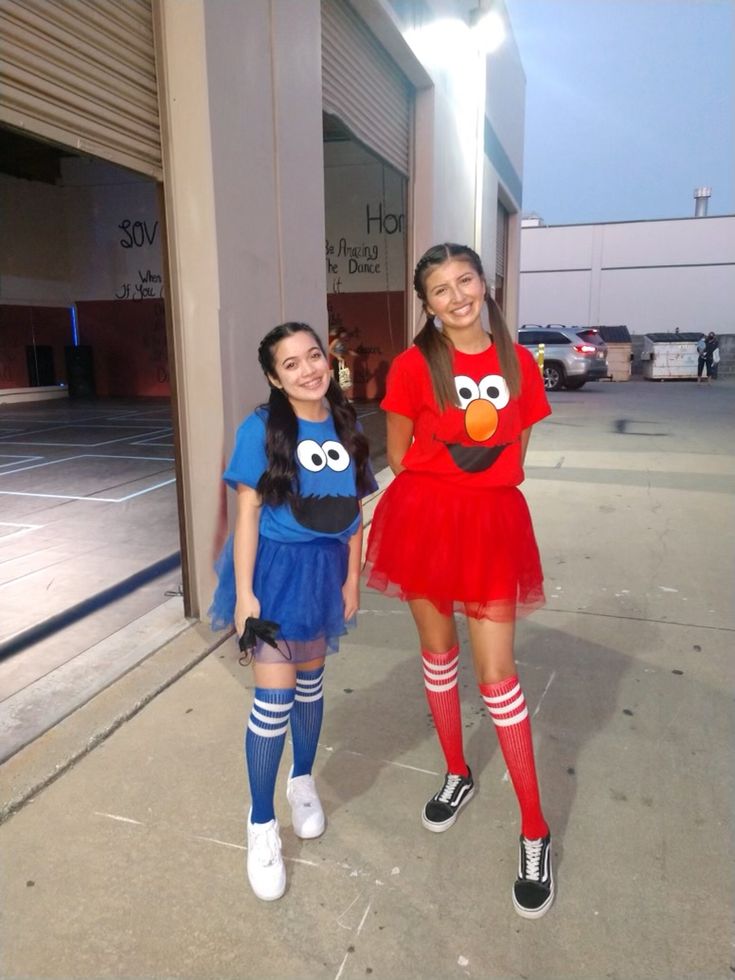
<point x="131" y="863"/>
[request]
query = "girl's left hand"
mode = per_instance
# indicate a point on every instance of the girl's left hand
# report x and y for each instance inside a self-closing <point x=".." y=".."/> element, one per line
<point x="351" y="597"/>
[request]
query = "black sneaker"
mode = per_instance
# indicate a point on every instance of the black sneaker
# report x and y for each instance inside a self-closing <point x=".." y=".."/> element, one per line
<point x="533" y="891"/>
<point x="441" y="811"/>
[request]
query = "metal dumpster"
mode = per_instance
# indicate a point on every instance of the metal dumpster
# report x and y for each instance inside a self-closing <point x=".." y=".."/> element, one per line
<point x="619" y="351"/>
<point x="670" y="355"/>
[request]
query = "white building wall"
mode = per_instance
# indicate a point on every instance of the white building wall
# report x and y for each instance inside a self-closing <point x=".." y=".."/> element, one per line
<point x="656" y="300"/>
<point x="505" y="99"/>
<point x="447" y="124"/>
<point x="96" y="235"/>
<point x="503" y="140"/>
<point x="652" y="276"/>
<point x="34" y="262"/>
<point x="113" y="231"/>
<point x="459" y="173"/>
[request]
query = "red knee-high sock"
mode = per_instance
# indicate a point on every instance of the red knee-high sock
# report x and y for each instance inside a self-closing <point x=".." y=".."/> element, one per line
<point x="442" y="693"/>
<point x="507" y="708"/>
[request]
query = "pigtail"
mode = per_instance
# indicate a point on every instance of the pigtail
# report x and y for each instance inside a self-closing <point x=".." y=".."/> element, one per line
<point x="437" y="351"/>
<point x="279" y="483"/>
<point x="354" y="441"/>
<point x="507" y="355"/>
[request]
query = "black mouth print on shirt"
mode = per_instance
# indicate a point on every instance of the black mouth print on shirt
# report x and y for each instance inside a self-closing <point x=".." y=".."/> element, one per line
<point x="474" y="459"/>
<point x="329" y="515"/>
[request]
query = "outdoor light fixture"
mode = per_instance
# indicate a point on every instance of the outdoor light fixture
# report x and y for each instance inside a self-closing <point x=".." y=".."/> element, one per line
<point x="488" y="25"/>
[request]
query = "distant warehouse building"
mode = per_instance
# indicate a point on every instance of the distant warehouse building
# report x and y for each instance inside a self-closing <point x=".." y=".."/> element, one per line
<point x="653" y="276"/>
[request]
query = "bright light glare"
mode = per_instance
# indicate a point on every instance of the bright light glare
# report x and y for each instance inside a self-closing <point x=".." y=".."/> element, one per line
<point x="490" y="31"/>
<point x="440" y="44"/>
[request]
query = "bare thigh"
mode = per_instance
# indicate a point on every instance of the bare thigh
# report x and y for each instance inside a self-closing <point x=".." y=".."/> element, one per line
<point x="437" y="633"/>
<point x="491" y="642"/>
<point x="492" y="649"/>
<point x="281" y="675"/>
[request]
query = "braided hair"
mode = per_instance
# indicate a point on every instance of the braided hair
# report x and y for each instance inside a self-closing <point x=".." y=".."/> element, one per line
<point x="279" y="483"/>
<point x="437" y="348"/>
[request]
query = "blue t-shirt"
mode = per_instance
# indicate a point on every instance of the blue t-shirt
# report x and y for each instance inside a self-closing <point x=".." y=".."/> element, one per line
<point x="327" y="501"/>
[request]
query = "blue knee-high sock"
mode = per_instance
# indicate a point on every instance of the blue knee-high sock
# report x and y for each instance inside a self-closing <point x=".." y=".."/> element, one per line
<point x="306" y="718"/>
<point x="264" y="741"/>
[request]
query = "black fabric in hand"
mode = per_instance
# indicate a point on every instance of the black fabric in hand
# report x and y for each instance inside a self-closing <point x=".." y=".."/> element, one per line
<point x="258" y="629"/>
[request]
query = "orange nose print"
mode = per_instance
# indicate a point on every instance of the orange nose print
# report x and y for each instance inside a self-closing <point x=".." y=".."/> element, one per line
<point x="480" y="420"/>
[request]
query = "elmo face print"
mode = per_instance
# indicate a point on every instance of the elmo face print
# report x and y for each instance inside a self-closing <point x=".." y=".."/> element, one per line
<point x="481" y="404"/>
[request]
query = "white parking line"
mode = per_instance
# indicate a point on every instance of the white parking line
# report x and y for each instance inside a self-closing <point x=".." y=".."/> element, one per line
<point x="68" y="459"/>
<point x="102" y="500"/>
<point x="90" y="496"/>
<point x="25" y="459"/>
<point x="59" y="443"/>
<point x="23" y="529"/>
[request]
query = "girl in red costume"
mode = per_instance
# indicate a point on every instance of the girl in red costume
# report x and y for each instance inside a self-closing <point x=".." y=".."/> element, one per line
<point x="453" y="532"/>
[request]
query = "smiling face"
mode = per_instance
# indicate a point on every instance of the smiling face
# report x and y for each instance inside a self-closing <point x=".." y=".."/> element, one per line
<point x="301" y="370"/>
<point x="455" y="293"/>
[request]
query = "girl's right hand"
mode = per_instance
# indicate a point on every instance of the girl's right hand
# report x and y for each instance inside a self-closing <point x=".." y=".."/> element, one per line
<point x="246" y="606"/>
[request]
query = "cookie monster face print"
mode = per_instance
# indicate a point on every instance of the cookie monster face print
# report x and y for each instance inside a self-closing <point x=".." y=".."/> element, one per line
<point x="481" y="403"/>
<point x="327" y="501"/>
<point x="327" y="504"/>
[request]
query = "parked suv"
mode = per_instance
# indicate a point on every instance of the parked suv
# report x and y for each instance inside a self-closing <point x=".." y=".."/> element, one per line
<point x="572" y="355"/>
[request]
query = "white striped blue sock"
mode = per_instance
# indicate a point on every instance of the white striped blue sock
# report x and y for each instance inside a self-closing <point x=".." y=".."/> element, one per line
<point x="306" y="718"/>
<point x="264" y="741"/>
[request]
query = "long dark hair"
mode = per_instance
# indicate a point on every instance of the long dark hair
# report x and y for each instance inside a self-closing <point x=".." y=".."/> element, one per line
<point x="280" y="482"/>
<point x="437" y="348"/>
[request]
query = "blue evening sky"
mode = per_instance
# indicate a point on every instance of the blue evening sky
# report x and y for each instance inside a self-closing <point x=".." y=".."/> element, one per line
<point x="630" y="105"/>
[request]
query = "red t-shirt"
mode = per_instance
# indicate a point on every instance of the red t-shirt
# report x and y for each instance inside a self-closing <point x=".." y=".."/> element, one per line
<point x="479" y="443"/>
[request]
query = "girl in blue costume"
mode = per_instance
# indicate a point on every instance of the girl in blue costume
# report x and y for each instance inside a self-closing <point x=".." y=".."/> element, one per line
<point x="299" y="468"/>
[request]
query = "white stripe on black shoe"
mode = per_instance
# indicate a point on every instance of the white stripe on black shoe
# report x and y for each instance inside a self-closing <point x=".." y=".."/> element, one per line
<point x="441" y="811"/>
<point x="533" y="891"/>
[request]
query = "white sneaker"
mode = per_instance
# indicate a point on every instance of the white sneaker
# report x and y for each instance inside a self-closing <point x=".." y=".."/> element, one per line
<point x="306" y="808"/>
<point x="266" y="872"/>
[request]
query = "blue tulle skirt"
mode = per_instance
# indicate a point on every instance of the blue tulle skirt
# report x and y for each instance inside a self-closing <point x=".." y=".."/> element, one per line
<point x="299" y="586"/>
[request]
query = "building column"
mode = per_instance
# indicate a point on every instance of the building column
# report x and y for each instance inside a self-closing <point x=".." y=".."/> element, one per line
<point x="193" y="299"/>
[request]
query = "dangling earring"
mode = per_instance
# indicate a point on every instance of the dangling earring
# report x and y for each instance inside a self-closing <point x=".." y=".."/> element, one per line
<point x="437" y="322"/>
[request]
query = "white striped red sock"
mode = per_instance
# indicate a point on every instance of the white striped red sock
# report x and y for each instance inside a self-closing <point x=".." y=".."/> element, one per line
<point x="506" y="706"/>
<point x="442" y="692"/>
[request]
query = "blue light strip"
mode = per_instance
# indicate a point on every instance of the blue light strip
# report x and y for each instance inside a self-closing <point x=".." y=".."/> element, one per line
<point x="74" y="325"/>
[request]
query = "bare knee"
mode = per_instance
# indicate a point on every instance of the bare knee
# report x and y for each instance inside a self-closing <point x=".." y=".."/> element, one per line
<point x="437" y="633"/>
<point x="274" y="675"/>
<point x="492" y="650"/>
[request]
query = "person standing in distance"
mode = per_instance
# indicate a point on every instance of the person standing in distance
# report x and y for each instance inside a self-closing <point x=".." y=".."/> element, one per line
<point x="453" y="532"/>
<point x="299" y="467"/>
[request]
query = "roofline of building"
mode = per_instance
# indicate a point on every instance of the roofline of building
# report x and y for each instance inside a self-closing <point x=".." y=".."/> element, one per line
<point x="632" y="221"/>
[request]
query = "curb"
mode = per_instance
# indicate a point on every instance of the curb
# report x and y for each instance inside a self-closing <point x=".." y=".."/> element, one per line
<point x="43" y="760"/>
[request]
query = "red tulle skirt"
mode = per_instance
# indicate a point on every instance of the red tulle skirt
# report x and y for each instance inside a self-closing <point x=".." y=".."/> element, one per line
<point x="464" y="549"/>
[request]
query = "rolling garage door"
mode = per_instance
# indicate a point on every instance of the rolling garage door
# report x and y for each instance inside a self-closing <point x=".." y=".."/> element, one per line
<point x="82" y="73"/>
<point x="363" y="86"/>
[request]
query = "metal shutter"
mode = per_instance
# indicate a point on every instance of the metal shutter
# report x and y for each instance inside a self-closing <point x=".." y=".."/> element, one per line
<point x="363" y="86"/>
<point x="501" y="241"/>
<point x="82" y="73"/>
